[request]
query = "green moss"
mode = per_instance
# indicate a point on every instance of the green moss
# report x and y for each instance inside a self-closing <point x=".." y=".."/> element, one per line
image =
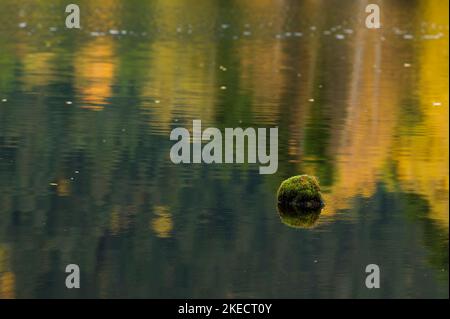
<point x="300" y="192"/>
<point x="300" y="201"/>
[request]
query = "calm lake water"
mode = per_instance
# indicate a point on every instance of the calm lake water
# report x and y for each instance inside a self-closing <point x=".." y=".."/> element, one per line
<point x="86" y="178"/>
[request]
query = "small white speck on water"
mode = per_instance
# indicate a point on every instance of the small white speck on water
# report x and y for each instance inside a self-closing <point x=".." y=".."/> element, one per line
<point x="340" y="36"/>
<point x="437" y="103"/>
<point x="299" y="75"/>
<point x="313" y="28"/>
<point x="247" y="33"/>
<point x="223" y="87"/>
<point x="320" y="86"/>
<point x="69" y="102"/>
<point x="114" y="32"/>
<point x="77" y="172"/>
<point x="222" y="68"/>
<point x="311" y="100"/>
<point x="4" y="100"/>
<point x="53" y="29"/>
<point x="104" y="141"/>
<point x="224" y="26"/>
<point x="22" y="25"/>
<point x="408" y="36"/>
<point x="326" y="32"/>
<point x="157" y="101"/>
<point x="71" y="178"/>
<point x="407" y="65"/>
<point x="288" y="34"/>
<point x="348" y="31"/>
<point x="298" y="34"/>
<point x="124" y="32"/>
<point x="316" y="261"/>
<point x="123" y="130"/>
<point x="53" y="184"/>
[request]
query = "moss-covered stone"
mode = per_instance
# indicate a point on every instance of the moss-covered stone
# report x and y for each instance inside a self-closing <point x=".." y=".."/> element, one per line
<point x="300" y="201"/>
<point x="300" y="192"/>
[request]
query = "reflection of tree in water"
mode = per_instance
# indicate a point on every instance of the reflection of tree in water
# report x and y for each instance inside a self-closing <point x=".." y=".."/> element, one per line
<point x="216" y="221"/>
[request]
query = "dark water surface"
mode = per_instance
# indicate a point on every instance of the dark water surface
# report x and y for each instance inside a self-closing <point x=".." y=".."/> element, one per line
<point x="85" y="174"/>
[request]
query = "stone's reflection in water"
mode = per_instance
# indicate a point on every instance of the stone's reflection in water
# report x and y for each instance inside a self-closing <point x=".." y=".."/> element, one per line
<point x="298" y="217"/>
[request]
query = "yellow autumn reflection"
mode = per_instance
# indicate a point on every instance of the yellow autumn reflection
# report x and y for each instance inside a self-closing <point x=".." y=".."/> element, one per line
<point x="63" y="187"/>
<point x="37" y="69"/>
<point x="423" y="159"/>
<point x="94" y="73"/>
<point x="7" y="285"/>
<point x="7" y="278"/>
<point x="162" y="223"/>
<point x="120" y="219"/>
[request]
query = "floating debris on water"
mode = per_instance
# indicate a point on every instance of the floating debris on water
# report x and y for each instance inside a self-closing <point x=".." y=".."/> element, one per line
<point x="157" y="101"/>
<point x="223" y="87"/>
<point x="340" y="36"/>
<point x="407" y="65"/>
<point x="311" y="100"/>
<point x="437" y="103"/>
<point x="298" y="34"/>
<point x="114" y="32"/>
<point x="22" y="25"/>
<point x="247" y="33"/>
<point x="222" y="68"/>
<point x="225" y="26"/>
<point x="53" y="29"/>
<point x="69" y="102"/>
<point x="408" y="36"/>
<point x="4" y="100"/>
